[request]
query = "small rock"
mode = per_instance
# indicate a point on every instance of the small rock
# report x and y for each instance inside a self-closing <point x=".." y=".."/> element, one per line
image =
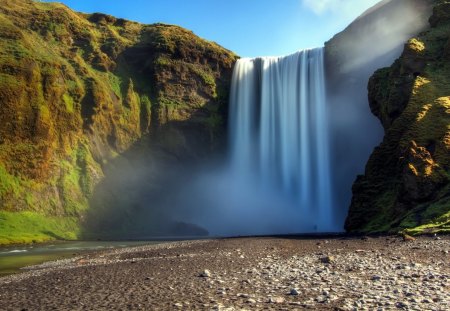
<point x="205" y="274"/>
<point x="276" y="300"/>
<point x="327" y="259"/>
<point x="376" y="277"/>
<point x="251" y="301"/>
<point x="402" y="305"/>
<point x="408" y="238"/>
<point x="178" y="305"/>
<point x="294" y="292"/>
<point x="321" y="299"/>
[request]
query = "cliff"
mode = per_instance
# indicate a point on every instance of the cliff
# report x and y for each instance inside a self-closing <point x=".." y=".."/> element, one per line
<point x="406" y="185"/>
<point x="374" y="40"/>
<point x="79" y="93"/>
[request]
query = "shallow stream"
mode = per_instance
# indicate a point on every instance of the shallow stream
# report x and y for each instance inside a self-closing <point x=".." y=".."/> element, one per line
<point x="13" y="258"/>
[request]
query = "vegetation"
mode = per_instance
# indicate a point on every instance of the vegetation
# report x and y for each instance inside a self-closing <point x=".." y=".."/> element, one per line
<point x="406" y="184"/>
<point x="33" y="227"/>
<point x="77" y="91"/>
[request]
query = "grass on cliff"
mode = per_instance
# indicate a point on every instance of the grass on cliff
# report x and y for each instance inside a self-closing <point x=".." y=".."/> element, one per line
<point x="32" y="227"/>
<point x="434" y="218"/>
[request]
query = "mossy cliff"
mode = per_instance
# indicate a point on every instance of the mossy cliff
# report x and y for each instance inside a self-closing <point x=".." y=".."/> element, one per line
<point x="77" y="91"/>
<point x="406" y="185"/>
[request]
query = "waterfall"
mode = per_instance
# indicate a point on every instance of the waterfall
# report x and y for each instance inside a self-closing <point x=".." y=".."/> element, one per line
<point x="279" y="133"/>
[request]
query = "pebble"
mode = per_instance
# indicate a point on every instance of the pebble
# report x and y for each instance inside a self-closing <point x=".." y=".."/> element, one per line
<point x="205" y="274"/>
<point x="276" y="300"/>
<point x="378" y="279"/>
<point x="294" y="292"/>
<point x="327" y="259"/>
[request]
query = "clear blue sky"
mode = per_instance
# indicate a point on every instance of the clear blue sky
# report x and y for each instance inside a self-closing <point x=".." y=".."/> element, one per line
<point x="247" y="27"/>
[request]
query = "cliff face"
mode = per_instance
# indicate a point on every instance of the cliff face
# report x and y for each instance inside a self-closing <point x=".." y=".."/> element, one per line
<point x="406" y="184"/>
<point x="78" y="92"/>
<point x="374" y="40"/>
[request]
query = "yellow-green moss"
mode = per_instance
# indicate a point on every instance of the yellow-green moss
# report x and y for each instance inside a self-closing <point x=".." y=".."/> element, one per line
<point x="77" y="91"/>
<point x="32" y="227"/>
<point x="8" y="184"/>
<point x="407" y="188"/>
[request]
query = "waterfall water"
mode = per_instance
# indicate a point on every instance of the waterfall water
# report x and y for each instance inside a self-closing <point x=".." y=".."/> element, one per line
<point x="279" y="133"/>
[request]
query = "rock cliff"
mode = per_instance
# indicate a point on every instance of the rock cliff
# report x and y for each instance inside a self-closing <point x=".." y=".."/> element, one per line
<point x="406" y="185"/>
<point x="78" y="93"/>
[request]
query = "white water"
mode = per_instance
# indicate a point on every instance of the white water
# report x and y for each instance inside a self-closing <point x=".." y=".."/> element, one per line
<point x="279" y="136"/>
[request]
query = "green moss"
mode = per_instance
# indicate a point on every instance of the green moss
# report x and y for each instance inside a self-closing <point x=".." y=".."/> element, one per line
<point x="163" y="61"/>
<point x="115" y="82"/>
<point x="87" y="167"/>
<point x="381" y="221"/>
<point x="432" y="218"/>
<point x="9" y="81"/>
<point x="71" y="189"/>
<point x="146" y="103"/>
<point x="31" y="227"/>
<point x="76" y="93"/>
<point x="205" y="74"/>
<point x="9" y="184"/>
<point x="163" y="101"/>
<point x="411" y="98"/>
<point x="69" y="102"/>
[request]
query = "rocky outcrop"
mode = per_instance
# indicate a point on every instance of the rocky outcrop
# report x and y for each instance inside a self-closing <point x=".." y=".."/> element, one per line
<point x="406" y="185"/>
<point x="78" y="92"/>
<point x="374" y="40"/>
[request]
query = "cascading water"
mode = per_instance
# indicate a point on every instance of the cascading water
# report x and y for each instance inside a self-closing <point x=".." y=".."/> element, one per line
<point x="279" y="133"/>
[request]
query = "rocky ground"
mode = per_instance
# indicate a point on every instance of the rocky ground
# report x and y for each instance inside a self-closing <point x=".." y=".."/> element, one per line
<point x="338" y="273"/>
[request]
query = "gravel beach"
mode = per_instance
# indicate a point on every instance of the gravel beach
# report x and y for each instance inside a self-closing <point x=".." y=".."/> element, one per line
<point x="265" y="273"/>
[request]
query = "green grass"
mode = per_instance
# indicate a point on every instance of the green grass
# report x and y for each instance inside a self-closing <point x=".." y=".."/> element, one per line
<point x="428" y="218"/>
<point x="31" y="227"/>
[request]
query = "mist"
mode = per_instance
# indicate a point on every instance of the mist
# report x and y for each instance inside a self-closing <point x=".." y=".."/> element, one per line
<point x="373" y="41"/>
<point x="161" y="195"/>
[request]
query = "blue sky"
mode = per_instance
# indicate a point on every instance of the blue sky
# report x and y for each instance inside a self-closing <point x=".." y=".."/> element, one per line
<point x="248" y="27"/>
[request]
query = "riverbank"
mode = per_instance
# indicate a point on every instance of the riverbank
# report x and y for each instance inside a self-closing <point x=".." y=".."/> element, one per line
<point x="243" y="273"/>
<point x="15" y="257"/>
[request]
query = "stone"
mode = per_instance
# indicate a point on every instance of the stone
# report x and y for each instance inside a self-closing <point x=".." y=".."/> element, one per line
<point x="376" y="277"/>
<point x="276" y="300"/>
<point x="294" y="292"/>
<point x="205" y="274"/>
<point x="321" y="299"/>
<point x="327" y="259"/>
